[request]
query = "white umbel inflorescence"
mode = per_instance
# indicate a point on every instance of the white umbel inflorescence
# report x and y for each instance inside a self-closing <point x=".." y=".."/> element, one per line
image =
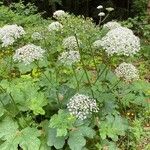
<point x="121" y="41"/>
<point x="100" y="7"/>
<point x="69" y="57"/>
<point x="101" y="14"/>
<point x="59" y="14"/>
<point x="36" y="36"/>
<point x="71" y="43"/>
<point x="28" y="54"/>
<point x="127" y="71"/>
<point x="9" y="33"/>
<point x="111" y="25"/>
<point x="81" y="106"/>
<point x="55" y="26"/>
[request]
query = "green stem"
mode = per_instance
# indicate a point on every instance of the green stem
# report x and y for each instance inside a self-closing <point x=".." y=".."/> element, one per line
<point x="57" y="95"/>
<point x="84" y="67"/>
<point x="51" y="83"/>
<point x="75" y="75"/>
<point x="14" y="103"/>
<point x="101" y="73"/>
<point x="100" y="20"/>
<point x="105" y="18"/>
<point x="93" y="57"/>
<point x="116" y="84"/>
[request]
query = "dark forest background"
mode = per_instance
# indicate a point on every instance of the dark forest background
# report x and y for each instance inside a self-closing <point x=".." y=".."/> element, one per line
<point x="123" y="8"/>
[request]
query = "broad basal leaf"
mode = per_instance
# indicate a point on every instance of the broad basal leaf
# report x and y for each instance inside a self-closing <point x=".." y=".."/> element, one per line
<point x="76" y="140"/>
<point x="7" y="128"/>
<point x="27" y="138"/>
<point x="62" y="122"/>
<point x="53" y="140"/>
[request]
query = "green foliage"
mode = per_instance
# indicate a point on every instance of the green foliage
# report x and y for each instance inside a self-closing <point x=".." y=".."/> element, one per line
<point x="139" y="6"/>
<point x="26" y="138"/>
<point x="34" y="97"/>
<point x="62" y="122"/>
<point x="113" y="127"/>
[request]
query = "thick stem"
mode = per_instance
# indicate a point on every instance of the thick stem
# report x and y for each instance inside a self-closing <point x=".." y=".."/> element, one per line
<point x="100" y="20"/>
<point x="93" y="58"/>
<point x="116" y="84"/>
<point x="105" y="18"/>
<point x="101" y="73"/>
<point x="75" y="75"/>
<point x="84" y="67"/>
<point x="51" y="83"/>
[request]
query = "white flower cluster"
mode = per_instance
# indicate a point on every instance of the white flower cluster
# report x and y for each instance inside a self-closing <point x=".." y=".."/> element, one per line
<point x="111" y="25"/>
<point x="109" y="9"/>
<point x="101" y="14"/>
<point x="127" y="71"/>
<point x="100" y="7"/>
<point x="36" y="36"/>
<point x="97" y="44"/>
<point x="71" y="43"/>
<point x="121" y="41"/>
<point x="59" y="14"/>
<point x="9" y="33"/>
<point x="69" y="58"/>
<point x="55" y="26"/>
<point x="82" y="106"/>
<point x="28" y="54"/>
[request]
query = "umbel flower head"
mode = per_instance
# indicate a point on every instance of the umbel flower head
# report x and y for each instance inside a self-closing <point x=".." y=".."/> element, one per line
<point x="59" y="14"/>
<point x="121" y="41"/>
<point x="36" y="36"/>
<point x="71" y="43"/>
<point x="55" y="26"/>
<point x="109" y="9"/>
<point x="127" y="71"/>
<point x="9" y="33"/>
<point x="111" y="25"/>
<point x="69" y="57"/>
<point x="101" y="14"/>
<point x="28" y="54"/>
<point x="100" y="7"/>
<point x="82" y="106"/>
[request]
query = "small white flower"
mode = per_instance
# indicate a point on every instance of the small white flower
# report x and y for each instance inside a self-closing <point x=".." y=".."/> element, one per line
<point x="28" y="54"/>
<point x="109" y="9"/>
<point x="59" y="14"/>
<point x="69" y="58"/>
<point x="9" y="33"/>
<point x="71" y="43"/>
<point x="82" y="106"/>
<point x="36" y="36"/>
<point x="111" y="25"/>
<point x="121" y="41"/>
<point x="127" y="71"/>
<point x="101" y="14"/>
<point x="99" y="7"/>
<point x="97" y="44"/>
<point x="55" y="26"/>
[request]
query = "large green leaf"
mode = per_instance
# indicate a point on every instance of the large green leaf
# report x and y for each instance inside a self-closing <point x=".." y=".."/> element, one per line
<point x="112" y="127"/>
<point x="37" y="103"/>
<point x="53" y="140"/>
<point x="76" y="140"/>
<point x="7" y="128"/>
<point x="62" y="121"/>
<point x="24" y="92"/>
<point x="27" y="138"/>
